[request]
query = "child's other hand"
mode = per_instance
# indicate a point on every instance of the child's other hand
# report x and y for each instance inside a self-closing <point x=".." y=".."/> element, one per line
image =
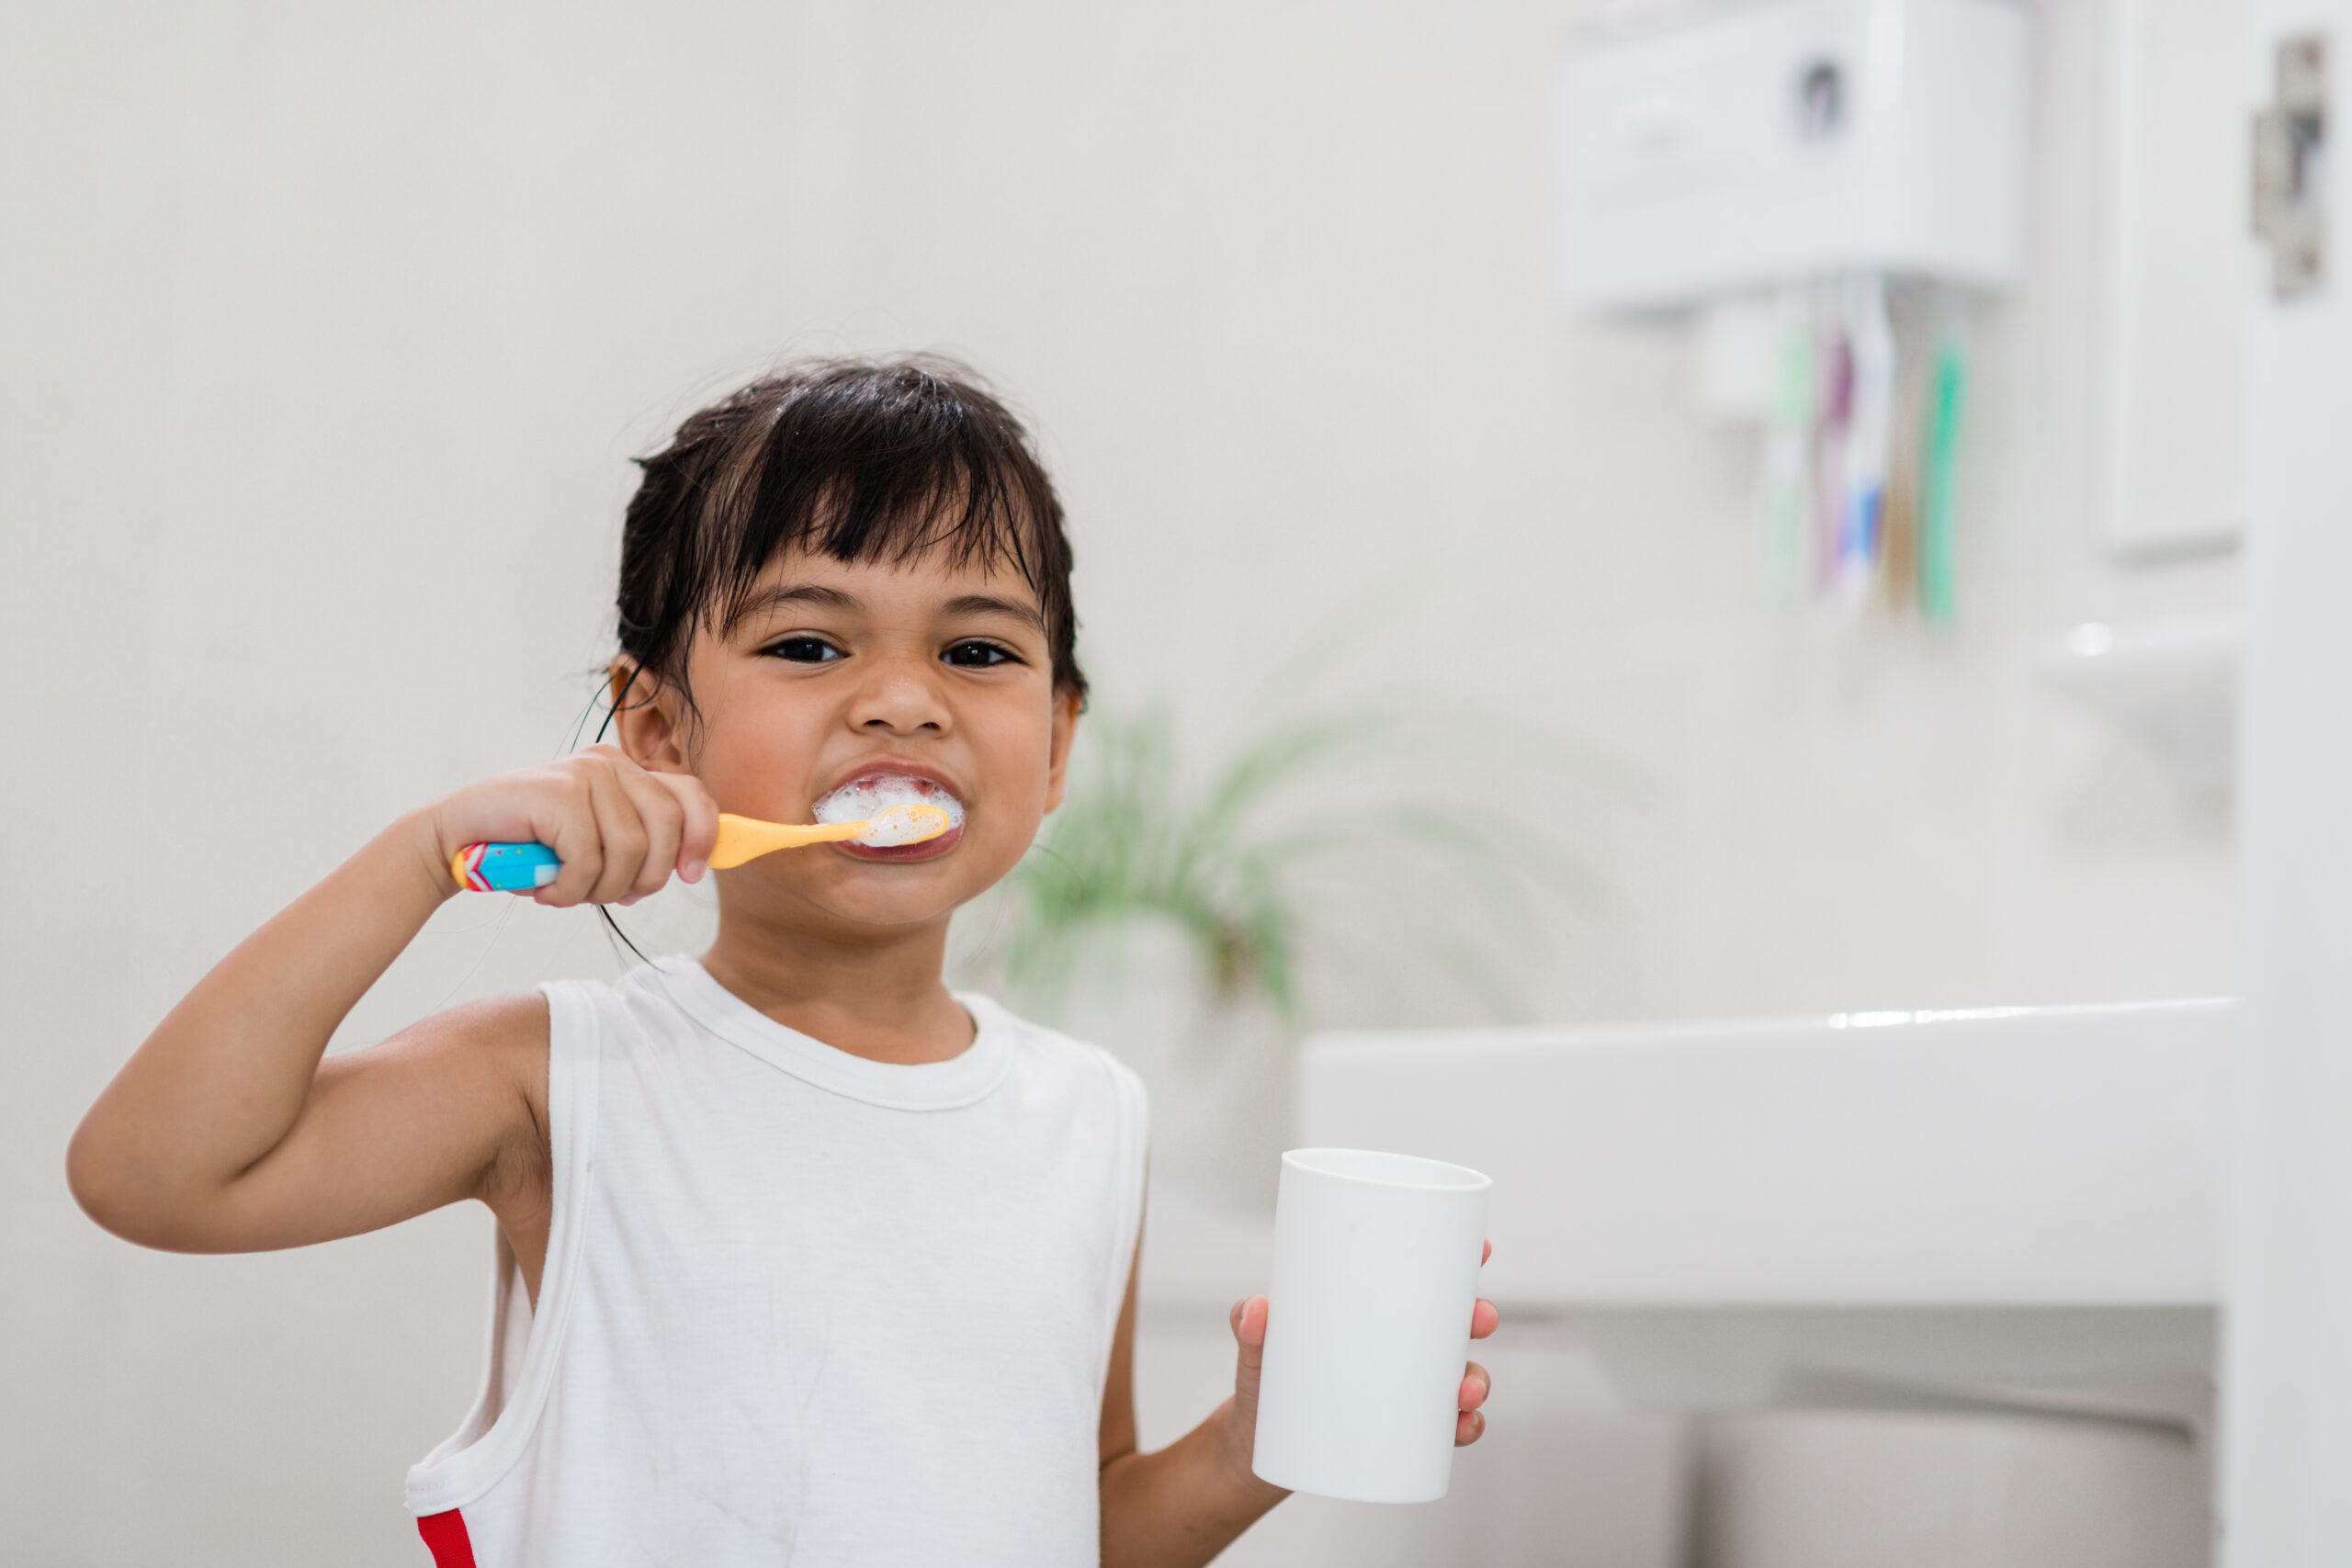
<point x="1249" y="1333"/>
<point x="619" y="829"/>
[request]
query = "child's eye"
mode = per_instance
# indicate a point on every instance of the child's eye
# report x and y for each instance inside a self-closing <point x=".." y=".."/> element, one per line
<point x="973" y="653"/>
<point x="804" y="650"/>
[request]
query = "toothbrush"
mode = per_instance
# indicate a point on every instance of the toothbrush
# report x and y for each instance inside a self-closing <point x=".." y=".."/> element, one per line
<point x="1862" y="542"/>
<point x="1946" y="392"/>
<point x="521" y="868"/>
<point x="1786" y="501"/>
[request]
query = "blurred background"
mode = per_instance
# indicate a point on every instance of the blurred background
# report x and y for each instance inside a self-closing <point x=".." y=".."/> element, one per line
<point x="331" y="331"/>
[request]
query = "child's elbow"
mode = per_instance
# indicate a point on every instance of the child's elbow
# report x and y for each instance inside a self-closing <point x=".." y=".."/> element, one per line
<point x="101" y="1179"/>
<point x="90" y="1177"/>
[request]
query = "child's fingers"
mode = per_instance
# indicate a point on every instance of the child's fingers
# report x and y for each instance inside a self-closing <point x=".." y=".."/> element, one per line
<point x="665" y="821"/>
<point x="1484" y="1318"/>
<point x="620" y="833"/>
<point x="1248" y="1317"/>
<point x="627" y="839"/>
<point x="1470" y="1422"/>
<point x="1476" y="1386"/>
<point x="1486" y="1255"/>
<point x="699" y="818"/>
<point x="569" y="828"/>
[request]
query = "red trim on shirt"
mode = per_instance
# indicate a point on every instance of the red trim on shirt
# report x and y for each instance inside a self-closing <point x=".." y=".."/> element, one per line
<point x="445" y="1537"/>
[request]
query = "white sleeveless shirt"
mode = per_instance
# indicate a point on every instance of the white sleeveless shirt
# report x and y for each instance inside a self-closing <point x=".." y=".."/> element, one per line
<point x="800" y="1307"/>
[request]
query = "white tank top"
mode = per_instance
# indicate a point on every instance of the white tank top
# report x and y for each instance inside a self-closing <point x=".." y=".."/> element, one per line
<point x="800" y="1307"/>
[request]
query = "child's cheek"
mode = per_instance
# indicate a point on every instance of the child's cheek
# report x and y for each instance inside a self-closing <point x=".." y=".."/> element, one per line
<point x="763" y="778"/>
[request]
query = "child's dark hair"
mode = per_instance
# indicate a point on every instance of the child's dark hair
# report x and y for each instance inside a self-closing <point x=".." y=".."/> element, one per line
<point x="863" y="460"/>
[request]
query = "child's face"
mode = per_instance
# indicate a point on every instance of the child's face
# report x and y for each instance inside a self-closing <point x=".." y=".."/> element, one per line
<point x="845" y="671"/>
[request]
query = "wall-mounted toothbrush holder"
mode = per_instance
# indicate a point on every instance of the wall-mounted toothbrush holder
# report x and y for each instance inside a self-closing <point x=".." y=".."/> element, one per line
<point x="1838" y="176"/>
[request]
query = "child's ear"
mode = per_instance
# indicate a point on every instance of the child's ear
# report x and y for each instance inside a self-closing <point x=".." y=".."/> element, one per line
<point x="1067" y="706"/>
<point x="646" y="721"/>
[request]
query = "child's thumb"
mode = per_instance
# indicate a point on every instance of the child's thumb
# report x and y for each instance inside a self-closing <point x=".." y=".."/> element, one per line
<point x="1249" y="1319"/>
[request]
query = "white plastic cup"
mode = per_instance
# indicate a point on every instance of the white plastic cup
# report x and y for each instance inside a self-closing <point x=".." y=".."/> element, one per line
<point x="1377" y="1259"/>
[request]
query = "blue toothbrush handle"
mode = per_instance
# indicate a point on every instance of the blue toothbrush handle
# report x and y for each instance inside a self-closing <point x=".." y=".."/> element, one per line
<point x="505" y="868"/>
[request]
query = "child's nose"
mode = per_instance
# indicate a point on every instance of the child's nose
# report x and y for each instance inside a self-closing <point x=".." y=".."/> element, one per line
<point x="902" y="697"/>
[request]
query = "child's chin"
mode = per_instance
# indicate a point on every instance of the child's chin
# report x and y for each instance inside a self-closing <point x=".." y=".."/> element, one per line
<point x="882" y="904"/>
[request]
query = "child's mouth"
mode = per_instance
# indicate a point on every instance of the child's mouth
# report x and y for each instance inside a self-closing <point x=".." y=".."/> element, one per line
<point x="870" y="793"/>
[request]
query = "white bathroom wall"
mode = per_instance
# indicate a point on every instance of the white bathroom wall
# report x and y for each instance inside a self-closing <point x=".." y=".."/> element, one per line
<point x="327" y="336"/>
<point x="1284" y="312"/>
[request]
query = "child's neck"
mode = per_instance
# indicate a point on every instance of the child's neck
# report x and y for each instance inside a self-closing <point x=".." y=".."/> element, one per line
<point x="882" y="1000"/>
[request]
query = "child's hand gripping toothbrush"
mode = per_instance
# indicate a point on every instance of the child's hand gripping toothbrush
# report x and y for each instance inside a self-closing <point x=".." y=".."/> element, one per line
<point x="524" y="868"/>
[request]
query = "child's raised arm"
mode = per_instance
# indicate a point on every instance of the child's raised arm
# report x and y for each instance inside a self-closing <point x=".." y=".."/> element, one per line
<point x="227" y="1133"/>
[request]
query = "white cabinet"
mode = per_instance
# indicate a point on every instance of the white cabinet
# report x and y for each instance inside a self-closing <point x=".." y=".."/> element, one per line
<point x="2178" y="275"/>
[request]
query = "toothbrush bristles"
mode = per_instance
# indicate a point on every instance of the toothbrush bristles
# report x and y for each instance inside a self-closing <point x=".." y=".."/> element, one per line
<point x="910" y="823"/>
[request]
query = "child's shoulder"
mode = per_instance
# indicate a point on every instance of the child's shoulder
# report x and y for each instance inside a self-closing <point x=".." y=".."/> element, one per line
<point x="647" y="1009"/>
<point x="588" y="995"/>
<point x="1052" y="1048"/>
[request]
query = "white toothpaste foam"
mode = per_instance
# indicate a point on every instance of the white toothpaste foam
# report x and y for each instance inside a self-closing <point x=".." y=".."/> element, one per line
<point x="871" y="797"/>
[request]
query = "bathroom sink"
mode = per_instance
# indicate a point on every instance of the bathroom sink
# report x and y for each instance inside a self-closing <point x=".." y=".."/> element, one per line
<point x="2015" y="1207"/>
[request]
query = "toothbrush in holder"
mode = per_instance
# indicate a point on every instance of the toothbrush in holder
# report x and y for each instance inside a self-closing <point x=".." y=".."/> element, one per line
<point x="524" y="868"/>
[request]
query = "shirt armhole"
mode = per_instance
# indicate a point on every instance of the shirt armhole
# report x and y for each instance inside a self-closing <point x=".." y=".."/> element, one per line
<point x="497" y="1430"/>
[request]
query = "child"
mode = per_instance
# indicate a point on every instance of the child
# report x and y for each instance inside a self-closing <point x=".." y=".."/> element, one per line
<point x="801" y="1258"/>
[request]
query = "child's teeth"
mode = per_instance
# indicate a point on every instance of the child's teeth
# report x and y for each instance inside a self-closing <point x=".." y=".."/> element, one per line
<point x="895" y="825"/>
<point x="867" y="797"/>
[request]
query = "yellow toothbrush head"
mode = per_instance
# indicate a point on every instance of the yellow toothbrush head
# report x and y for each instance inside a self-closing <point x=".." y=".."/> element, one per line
<point x="909" y="824"/>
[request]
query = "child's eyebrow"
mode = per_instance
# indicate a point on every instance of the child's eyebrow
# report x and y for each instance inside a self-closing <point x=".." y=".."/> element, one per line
<point x="814" y="594"/>
<point x="990" y="604"/>
<point x="798" y="593"/>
